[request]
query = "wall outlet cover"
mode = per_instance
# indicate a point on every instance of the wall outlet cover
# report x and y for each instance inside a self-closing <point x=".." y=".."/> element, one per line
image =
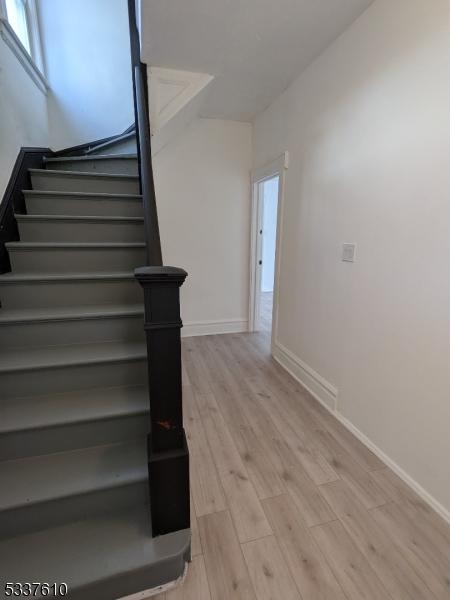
<point x="348" y="252"/>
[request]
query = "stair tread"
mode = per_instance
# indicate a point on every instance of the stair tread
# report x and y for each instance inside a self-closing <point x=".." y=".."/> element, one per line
<point x="64" y="313"/>
<point x="87" y="245"/>
<point x="31" y="480"/>
<point x="92" y="551"/>
<point x="122" y="138"/>
<point x="26" y="359"/>
<point x="84" y="218"/>
<point x="85" y="158"/>
<point x="108" y="195"/>
<point x="95" y="275"/>
<point x="21" y="414"/>
<point x="59" y="173"/>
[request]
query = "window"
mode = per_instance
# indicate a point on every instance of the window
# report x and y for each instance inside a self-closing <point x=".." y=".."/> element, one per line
<point x="16" y="13"/>
<point x="21" y="17"/>
<point x="19" y="28"/>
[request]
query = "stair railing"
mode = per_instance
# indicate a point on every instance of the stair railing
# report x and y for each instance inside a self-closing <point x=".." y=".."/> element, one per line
<point x="143" y="139"/>
<point x="168" y="456"/>
<point x="152" y="238"/>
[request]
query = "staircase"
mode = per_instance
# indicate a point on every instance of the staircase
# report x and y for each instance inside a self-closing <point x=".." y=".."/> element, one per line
<point x="74" y="404"/>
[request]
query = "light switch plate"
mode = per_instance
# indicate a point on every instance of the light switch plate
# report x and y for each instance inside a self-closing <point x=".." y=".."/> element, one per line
<point x="348" y="252"/>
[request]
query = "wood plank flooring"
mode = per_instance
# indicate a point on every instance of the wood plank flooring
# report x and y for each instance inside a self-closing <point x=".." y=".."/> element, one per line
<point x="266" y="305"/>
<point x="286" y="503"/>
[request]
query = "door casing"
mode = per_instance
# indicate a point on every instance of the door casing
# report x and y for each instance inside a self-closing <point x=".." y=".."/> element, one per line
<point x="275" y="168"/>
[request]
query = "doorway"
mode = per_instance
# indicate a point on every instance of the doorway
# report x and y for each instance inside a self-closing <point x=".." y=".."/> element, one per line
<point x="267" y="196"/>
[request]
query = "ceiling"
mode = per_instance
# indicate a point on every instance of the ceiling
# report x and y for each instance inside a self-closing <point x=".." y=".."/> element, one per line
<point x="254" y="48"/>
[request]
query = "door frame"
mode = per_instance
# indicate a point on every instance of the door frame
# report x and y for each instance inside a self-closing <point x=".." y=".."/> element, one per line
<point x="273" y="169"/>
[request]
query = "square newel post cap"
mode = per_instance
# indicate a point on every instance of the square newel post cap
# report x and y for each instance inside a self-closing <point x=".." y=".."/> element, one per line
<point x="160" y="274"/>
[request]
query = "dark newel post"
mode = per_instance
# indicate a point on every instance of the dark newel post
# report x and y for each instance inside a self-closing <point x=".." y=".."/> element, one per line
<point x="168" y="457"/>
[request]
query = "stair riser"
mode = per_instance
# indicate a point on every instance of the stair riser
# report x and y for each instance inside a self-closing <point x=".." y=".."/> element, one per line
<point x="76" y="260"/>
<point x="69" y="293"/>
<point x="123" y="147"/>
<point x="117" y="166"/>
<point x="35" y="517"/>
<point x="72" y="437"/>
<point x="72" y="378"/>
<point x="77" y="231"/>
<point x="79" y="331"/>
<point x="76" y="206"/>
<point x="100" y="559"/>
<point x="83" y="183"/>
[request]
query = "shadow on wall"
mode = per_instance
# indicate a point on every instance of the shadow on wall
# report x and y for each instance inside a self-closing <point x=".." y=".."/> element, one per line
<point x="87" y="54"/>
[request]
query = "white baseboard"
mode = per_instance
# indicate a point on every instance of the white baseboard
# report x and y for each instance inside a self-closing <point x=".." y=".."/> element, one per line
<point x="326" y="395"/>
<point x="412" y="483"/>
<point x="213" y="327"/>
<point x="319" y="387"/>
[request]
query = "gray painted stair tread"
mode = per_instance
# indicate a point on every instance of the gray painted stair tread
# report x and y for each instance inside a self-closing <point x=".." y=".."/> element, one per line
<point x="62" y="390"/>
<point x="69" y="174"/>
<point x="20" y="414"/>
<point x="66" y="313"/>
<point x="111" y="143"/>
<point x="125" y="163"/>
<point x="91" y="158"/>
<point x="94" y="551"/>
<point x="80" y="218"/>
<point x="22" y="359"/>
<point x="61" y="245"/>
<point x="81" y="195"/>
<point x="32" y="480"/>
<point x="82" y="276"/>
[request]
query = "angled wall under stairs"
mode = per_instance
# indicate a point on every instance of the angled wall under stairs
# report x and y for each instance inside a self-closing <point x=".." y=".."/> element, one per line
<point x="74" y="411"/>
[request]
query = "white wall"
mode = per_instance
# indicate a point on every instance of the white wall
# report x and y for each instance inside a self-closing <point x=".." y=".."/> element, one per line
<point x="202" y="183"/>
<point x="367" y="127"/>
<point x="23" y="113"/>
<point x="87" y="55"/>
<point x="270" y="212"/>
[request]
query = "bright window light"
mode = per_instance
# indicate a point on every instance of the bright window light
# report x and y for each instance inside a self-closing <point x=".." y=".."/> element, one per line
<point x="17" y="16"/>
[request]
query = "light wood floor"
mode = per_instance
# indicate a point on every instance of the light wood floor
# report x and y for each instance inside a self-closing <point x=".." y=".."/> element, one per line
<point x="266" y="305"/>
<point x="286" y="504"/>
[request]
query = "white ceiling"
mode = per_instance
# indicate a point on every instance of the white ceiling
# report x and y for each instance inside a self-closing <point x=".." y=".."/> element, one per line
<point x="254" y="48"/>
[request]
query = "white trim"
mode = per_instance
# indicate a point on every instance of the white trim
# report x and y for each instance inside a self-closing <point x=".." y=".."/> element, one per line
<point x="161" y="589"/>
<point x="269" y="170"/>
<point x="198" y="328"/>
<point x="323" y="392"/>
<point x="35" y="35"/>
<point x="190" y="85"/>
<point x="255" y="253"/>
<point x="412" y="483"/>
<point x="319" y="387"/>
<point x="12" y="41"/>
<point x="275" y="168"/>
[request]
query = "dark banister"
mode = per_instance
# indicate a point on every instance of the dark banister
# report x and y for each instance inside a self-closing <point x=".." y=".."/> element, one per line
<point x="13" y="200"/>
<point x="168" y="455"/>
<point x="152" y="239"/>
<point x="143" y="140"/>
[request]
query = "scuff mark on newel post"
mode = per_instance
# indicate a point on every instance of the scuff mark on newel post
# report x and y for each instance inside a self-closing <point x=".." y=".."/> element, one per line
<point x="168" y="456"/>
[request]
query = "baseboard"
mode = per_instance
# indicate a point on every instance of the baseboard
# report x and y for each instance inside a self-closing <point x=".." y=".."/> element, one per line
<point x="319" y="387"/>
<point x="194" y="329"/>
<point x="326" y="395"/>
<point x="412" y="483"/>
